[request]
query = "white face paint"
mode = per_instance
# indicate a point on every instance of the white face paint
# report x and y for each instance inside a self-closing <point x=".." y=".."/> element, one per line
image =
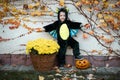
<point x="62" y="16"/>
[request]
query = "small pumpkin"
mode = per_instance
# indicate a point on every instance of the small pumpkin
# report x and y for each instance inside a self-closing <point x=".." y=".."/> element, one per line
<point x="82" y="63"/>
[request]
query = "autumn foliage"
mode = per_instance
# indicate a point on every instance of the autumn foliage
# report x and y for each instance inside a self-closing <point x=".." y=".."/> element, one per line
<point x="104" y="17"/>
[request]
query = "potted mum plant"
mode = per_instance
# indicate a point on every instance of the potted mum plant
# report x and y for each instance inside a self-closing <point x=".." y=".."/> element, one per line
<point x="42" y="53"/>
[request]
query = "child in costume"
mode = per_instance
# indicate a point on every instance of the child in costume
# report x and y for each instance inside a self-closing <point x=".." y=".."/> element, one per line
<point x="63" y="28"/>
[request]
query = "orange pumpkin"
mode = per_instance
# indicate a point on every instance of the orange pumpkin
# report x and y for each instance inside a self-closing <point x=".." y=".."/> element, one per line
<point x="82" y="64"/>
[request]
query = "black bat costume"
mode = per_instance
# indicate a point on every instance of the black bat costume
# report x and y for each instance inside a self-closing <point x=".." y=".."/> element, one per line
<point x="68" y="41"/>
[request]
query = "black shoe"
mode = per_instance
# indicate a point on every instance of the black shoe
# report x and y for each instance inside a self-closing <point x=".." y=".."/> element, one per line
<point x="78" y="57"/>
<point x="61" y="66"/>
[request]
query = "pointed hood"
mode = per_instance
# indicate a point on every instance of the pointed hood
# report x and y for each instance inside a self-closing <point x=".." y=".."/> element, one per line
<point x="62" y="10"/>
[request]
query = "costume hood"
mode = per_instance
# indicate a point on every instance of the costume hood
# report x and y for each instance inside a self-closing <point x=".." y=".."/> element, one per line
<point x="63" y="10"/>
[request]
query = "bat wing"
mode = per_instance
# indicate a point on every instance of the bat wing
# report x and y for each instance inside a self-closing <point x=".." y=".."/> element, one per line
<point x="73" y="32"/>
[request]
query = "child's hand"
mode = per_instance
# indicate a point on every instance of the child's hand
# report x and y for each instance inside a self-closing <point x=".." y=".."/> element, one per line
<point x="42" y="30"/>
<point x="39" y="29"/>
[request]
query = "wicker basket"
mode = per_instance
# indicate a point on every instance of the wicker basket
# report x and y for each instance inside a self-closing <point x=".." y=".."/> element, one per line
<point x="43" y="62"/>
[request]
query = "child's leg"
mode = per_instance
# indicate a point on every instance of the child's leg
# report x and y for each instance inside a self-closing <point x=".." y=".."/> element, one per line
<point x="61" y="55"/>
<point x="75" y="45"/>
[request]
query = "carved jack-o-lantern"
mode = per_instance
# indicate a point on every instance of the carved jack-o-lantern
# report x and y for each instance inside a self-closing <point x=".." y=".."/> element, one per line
<point x="82" y="64"/>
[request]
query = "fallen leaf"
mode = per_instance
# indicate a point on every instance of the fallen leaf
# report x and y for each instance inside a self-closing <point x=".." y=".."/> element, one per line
<point x="107" y="65"/>
<point x="58" y="70"/>
<point x="41" y="77"/>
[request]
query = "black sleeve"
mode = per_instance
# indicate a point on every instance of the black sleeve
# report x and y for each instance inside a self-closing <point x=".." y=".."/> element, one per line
<point x="50" y="27"/>
<point x="76" y="25"/>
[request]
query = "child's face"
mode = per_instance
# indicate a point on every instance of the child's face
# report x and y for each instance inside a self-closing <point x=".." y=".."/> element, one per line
<point x="62" y="16"/>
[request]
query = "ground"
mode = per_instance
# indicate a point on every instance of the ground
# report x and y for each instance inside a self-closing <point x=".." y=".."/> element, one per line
<point x="10" y="72"/>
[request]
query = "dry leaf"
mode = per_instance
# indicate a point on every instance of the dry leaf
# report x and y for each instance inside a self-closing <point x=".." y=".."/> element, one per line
<point x="116" y="26"/>
<point x="44" y="8"/>
<point x="94" y="69"/>
<point x="100" y="16"/>
<point x="83" y="1"/>
<point x="111" y="57"/>
<point x="41" y="77"/>
<point x="30" y="6"/>
<point x="96" y="8"/>
<point x="108" y="31"/>
<point x="14" y="9"/>
<point x="107" y="65"/>
<point x="85" y="36"/>
<point x="91" y="32"/>
<point x="2" y="14"/>
<point x="58" y="70"/>
<point x="51" y="13"/>
<point x="14" y="65"/>
<point x="105" y="4"/>
<point x="78" y="4"/>
<point x="61" y="3"/>
<point x="87" y="2"/>
<point x="13" y="27"/>
<point x="55" y="68"/>
<point x="37" y="4"/>
<point x="36" y="13"/>
<point x="68" y="65"/>
<point x="118" y="3"/>
<point x="104" y="24"/>
<point x="96" y="2"/>
<point x="6" y="9"/>
<point x="93" y="51"/>
<point x="87" y="26"/>
<point x="89" y="9"/>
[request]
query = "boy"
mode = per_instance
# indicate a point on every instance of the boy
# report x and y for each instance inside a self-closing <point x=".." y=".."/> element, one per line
<point x="64" y="39"/>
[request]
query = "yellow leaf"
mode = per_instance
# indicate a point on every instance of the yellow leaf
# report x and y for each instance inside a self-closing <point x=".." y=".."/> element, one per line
<point x="104" y="24"/>
<point x="30" y="6"/>
<point x="14" y="9"/>
<point x="96" y="2"/>
<point x="78" y="4"/>
<point x="100" y="16"/>
<point x="105" y="4"/>
<point x="87" y="2"/>
<point x="5" y="9"/>
<point x="102" y="20"/>
<point x="37" y="4"/>
<point x="61" y="3"/>
<point x="103" y="0"/>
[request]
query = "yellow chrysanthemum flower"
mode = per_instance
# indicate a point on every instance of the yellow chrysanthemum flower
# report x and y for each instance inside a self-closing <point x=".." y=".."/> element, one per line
<point x="43" y="46"/>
